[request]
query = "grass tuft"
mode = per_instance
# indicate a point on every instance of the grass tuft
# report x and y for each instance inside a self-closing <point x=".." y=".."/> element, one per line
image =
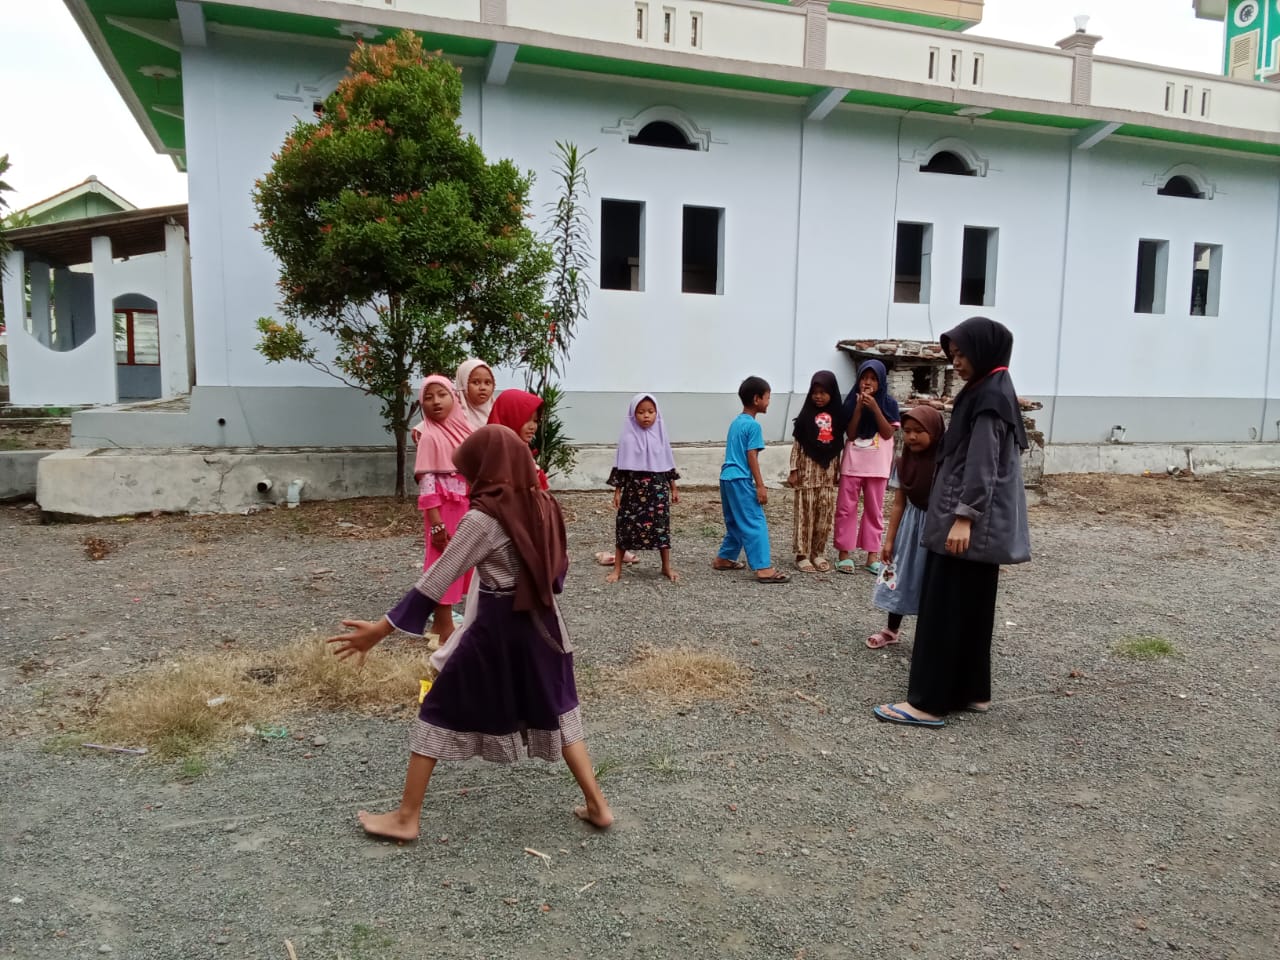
<point x="1145" y="648"/>
<point x="166" y="708"/>
<point x="679" y="675"/>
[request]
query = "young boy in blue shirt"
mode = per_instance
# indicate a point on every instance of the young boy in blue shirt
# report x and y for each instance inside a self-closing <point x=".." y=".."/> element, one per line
<point x="742" y="492"/>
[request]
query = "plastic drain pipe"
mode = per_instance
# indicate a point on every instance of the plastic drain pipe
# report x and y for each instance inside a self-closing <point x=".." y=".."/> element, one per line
<point x="294" y="495"/>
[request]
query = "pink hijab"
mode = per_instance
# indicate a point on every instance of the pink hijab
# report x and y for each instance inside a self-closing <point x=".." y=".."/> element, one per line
<point x="437" y="441"/>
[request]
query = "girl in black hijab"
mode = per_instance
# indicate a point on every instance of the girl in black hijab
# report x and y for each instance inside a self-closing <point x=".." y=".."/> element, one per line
<point x="815" y="471"/>
<point x="976" y="521"/>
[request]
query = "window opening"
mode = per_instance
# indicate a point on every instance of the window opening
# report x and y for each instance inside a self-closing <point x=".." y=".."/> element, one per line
<point x="912" y="254"/>
<point x="1186" y="99"/>
<point x="955" y="66"/>
<point x="1168" y="98"/>
<point x="935" y="54"/>
<point x="978" y="267"/>
<point x="659" y="133"/>
<point x="621" y="245"/>
<point x="668" y="21"/>
<point x="1204" y="102"/>
<point x="695" y="30"/>
<point x="642" y="21"/>
<point x="977" y="69"/>
<point x="922" y="382"/>
<point x="137" y="337"/>
<point x="702" y="268"/>
<point x="948" y="162"/>
<point x="1206" y="279"/>
<point x="1153" y="267"/>
<point x="1181" y="186"/>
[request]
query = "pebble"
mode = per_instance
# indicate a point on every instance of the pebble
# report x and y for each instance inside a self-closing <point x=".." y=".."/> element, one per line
<point x="104" y="948"/>
<point x="320" y="741"/>
<point x="884" y="767"/>
<point x="222" y="940"/>
<point x="973" y="771"/>
<point x="230" y="828"/>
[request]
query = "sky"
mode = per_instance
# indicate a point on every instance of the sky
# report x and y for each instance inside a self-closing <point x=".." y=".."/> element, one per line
<point x="62" y="120"/>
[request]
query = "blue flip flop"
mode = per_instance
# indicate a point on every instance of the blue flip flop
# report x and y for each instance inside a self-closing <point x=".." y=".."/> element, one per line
<point x="888" y="713"/>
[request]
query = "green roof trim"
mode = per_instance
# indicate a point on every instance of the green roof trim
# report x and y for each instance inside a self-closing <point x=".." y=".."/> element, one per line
<point x="1199" y="140"/>
<point x="308" y="26"/>
<point x="133" y="53"/>
<point x="871" y="11"/>
<point x="545" y="57"/>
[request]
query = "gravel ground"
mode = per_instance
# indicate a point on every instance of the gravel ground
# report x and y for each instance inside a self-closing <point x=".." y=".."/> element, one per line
<point x="1106" y="808"/>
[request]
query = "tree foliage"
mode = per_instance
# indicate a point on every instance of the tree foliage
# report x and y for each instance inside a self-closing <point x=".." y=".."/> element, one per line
<point x="396" y="238"/>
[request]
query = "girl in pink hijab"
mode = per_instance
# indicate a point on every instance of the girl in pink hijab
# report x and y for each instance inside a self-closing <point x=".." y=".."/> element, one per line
<point x="442" y="492"/>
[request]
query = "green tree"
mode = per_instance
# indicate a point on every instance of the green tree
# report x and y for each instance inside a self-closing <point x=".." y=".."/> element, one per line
<point x="569" y="236"/>
<point x="395" y="237"/>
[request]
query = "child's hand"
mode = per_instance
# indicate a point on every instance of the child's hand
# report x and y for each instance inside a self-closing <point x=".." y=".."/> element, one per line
<point x="440" y="539"/>
<point x="364" y="636"/>
<point x="886" y="553"/>
<point x="793" y="478"/>
<point x="869" y="400"/>
<point x="958" y="538"/>
<point x="617" y="499"/>
<point x="675" y="494"/>
<point x="762" y="496"/>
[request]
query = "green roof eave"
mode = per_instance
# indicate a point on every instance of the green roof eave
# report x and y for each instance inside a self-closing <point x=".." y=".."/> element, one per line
<point x="872" y="11"/>
<point x="156" y="100"/>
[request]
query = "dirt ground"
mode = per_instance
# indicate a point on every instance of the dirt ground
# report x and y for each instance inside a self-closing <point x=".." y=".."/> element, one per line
<point x="31" y="435"/>
<point x="1107" y="807"/>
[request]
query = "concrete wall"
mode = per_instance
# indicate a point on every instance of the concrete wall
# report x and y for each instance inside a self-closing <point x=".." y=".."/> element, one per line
<point x="810" y="214"/>
<point x="18" y="473"/>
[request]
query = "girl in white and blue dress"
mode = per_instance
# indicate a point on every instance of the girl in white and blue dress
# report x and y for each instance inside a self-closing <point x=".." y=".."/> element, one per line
<point x="897" y="591"/>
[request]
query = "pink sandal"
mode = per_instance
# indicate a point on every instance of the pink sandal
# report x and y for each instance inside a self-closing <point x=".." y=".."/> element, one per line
<point x="885" y="638"/>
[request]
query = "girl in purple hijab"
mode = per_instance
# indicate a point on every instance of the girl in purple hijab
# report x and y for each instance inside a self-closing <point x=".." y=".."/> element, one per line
<point x="644" y="486"/>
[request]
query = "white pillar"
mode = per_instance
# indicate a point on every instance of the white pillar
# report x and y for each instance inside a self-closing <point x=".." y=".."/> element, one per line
<point x="175" y="320"/>
<point x="15" y="307"/>
<point x="103" y="340"/>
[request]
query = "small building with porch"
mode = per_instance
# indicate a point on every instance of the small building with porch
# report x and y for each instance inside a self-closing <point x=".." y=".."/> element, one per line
<point x="99" y="309"/>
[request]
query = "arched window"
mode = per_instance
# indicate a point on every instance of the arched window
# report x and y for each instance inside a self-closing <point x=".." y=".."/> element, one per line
<point x="948" y="162"/>
<point x="659" y="133"/>
<point x="1180" y="186"/>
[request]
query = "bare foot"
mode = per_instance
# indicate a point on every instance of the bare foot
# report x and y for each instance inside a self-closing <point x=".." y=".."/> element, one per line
<point x="601" y="817"/>
<point x="613" y="577"/>
<point x="978" y="706"/>
<point x="393" y="826"/>
<point x="916" y="712"/>
<point x="670" y="574"/>
<point x="721" y="564"/>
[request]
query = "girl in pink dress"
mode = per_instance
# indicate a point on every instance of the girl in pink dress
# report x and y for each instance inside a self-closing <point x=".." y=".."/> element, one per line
<point x="442" y="491"/>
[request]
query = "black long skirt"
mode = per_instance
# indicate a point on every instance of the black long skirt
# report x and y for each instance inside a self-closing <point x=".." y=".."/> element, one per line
<point x="951" y="656"/>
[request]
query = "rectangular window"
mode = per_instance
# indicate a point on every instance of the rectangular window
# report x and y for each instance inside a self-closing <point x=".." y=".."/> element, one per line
<point x="977" y="69"/>
<point x="621" y="245"/>
<point x="642" y="21"/>
<point x="955" y="66"/>
<point x="668" y="23"/>
<point x="911" y="258"/>
<point x="1168" y="97"/>
<point x="1153" y="275"/>
<point x="137" y="337"/>
<point x="935" y="58"/>
<point x="978" y="267"/>
<point x="1206" y="279"/>
<point x="1186" y="99"/>
<point x="702" y="263"/>
<point x="695" y="30"/>
<point x="1204" y="102"/>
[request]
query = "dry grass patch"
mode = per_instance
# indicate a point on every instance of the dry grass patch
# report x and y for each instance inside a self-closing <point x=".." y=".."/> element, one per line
<point x="167" y="708"/>
<point x="679" y="675"/>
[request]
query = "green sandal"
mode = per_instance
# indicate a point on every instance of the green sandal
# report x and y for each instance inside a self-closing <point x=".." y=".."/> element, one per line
<point x="847" y="565"/>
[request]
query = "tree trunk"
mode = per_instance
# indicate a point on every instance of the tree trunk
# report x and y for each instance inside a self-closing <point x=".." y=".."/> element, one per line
<point x="401" y="432"/>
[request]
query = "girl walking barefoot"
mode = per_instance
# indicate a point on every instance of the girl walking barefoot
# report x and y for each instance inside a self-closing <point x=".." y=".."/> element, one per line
<point x="644" y="487"/>
<point x="977" y="520"/>
<point x="442" y="492"/>
<point x="922" y="429"/>
<point x="815" y="471"/>
<point x="509" y="680"/>
<point x="864" y="468"/>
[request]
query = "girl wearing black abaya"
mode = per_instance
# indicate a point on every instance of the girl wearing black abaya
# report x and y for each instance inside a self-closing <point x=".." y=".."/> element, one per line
<point x="976" y="521"/>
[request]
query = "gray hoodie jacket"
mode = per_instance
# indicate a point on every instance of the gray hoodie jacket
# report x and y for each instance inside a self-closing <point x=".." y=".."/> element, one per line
<point x="983" y="482"/>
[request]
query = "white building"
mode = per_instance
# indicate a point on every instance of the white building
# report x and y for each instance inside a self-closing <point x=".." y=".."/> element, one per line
<point x="1121" y="218"/>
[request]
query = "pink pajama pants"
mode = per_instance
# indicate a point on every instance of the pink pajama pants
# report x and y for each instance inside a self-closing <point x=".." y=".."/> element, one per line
<point x="851" y="535"/>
